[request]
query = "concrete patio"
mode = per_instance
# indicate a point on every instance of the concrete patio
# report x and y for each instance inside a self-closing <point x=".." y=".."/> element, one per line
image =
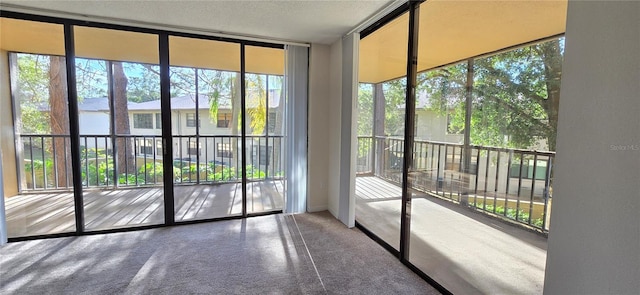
<point x="466" y="252"/>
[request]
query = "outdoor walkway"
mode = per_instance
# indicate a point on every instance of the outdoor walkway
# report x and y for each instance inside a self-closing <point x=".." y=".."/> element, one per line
<point x="466" y="252"/>
<point x="48" y="213"/>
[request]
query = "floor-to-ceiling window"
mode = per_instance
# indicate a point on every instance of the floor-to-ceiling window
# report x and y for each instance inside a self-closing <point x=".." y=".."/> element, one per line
<point x="37" y="78"/>
<point x="149" y="128"/>
<point x="205" y="114"/>
<point x="265" y="129"/>
<point x="479" y="120"/>
<point x="121" y="170"/>
<point x="383" y="60"/>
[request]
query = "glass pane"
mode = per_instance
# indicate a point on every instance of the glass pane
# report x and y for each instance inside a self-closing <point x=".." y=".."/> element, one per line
<point x="462" y="188"/>
<point x="118" y="86"/>
<point x="264" y="144"/>
<point x="39" y="189"/>
<point x="383" y="63"/>
<point x="206" y="113"/>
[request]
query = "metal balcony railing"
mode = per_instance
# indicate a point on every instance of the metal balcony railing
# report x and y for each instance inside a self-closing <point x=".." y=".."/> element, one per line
<point x="45" y="160"/>
<point x="512" y="183"/>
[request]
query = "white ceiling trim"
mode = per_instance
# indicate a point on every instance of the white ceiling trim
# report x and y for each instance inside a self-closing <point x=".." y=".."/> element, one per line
<point x="142" y="24"/>
<point x="376" y="16"/>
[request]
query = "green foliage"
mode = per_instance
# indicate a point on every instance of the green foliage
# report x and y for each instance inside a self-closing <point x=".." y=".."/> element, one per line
<point x="92" y="78"/>
<point x="143" y="82"/>
<point x="256" y="103"/>
<point x="365" y="109"/>
<point x="151" y="171"/>
<point x="38" y="167"/>
<point x="33" y="92"/>
<point x="511" y="213"/>
<point x="395" y="99"/>
<point x="254" y="173"/>
<point x="223" y="174"/>
<point x="514" y="99"/>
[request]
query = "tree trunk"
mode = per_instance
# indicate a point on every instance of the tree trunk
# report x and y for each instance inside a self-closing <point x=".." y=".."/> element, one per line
<point x="553" y="70"/>
<point x="235" y="122"/>
<point x="126" y="159"/>
<point x="59" y="119"/>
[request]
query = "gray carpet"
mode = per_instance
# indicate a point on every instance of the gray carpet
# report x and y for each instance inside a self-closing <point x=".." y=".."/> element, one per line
<point x="276" y="254"/>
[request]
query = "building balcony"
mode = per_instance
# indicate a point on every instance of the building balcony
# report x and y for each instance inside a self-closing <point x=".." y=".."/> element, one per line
<point x="206" y="173"/>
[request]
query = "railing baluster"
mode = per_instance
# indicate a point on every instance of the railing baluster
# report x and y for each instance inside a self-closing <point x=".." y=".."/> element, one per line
<point x="438" y="170"/>
<point x="106" y="161"/>
<point x="144" y="142"/>
<point x="452" y="168"/>
<point x="495" y="185"/>
<point x="66" y="164"/>
<point x="533" y="186"/>
<point x="506" y="196"/>
<point x="135" y="158"/>
<point x="486" y="180"/>
<point x="477" y="173"/>
<point x="97" y="164"/>
<point x="86" y="161"/>
<point x="33" y="170"/>
<point x="460" y="172"/>
<point x="44" y="163"/>
<point x="54" y="142"/>
<point x="547" y="193"/>
<point x="519" y="186"/>
<point x="206" y="159"/>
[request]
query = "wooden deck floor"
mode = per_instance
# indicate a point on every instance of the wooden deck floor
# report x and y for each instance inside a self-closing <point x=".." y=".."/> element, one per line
<point x="48" y="213"/>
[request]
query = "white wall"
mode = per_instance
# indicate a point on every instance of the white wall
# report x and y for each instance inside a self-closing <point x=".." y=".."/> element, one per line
<point x="94" y="122"/>
<point x="334" y="116"/>
<point x="433" y="127"/>
<point x="594" y="244"/>
<point x="318" y="144"/>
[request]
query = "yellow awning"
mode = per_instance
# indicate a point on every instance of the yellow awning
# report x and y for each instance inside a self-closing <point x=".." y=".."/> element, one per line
<point x="451" y="31"/>
<point x="44" y="38"/>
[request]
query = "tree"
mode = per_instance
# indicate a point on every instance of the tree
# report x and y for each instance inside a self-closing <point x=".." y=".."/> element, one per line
<point x="32" y="93"/>
<point x="256" y="103"/>
<point x="59" y="117"/>
<point x="515" y="96"/>
<point x="125" y="158"/>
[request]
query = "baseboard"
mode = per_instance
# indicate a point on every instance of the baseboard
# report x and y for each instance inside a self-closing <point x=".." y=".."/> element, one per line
<point x="317" y="208"/>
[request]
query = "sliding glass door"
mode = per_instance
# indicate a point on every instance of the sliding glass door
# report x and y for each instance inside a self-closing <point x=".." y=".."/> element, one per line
<point x="39" y="201"/>
<point x="463" y="191"/>
<point x="264" y="128"/>
<point x="118" y="87"/>
<point x="119" y="127"/>
<point x="380" y="142"/>
<point x="206" y="115"/>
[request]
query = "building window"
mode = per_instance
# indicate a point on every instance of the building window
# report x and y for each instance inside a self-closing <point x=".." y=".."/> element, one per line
<point x="263" y="156"/>
<point x="265" y="152"/>
<point x="191" y="120"/>
<point x="158" y="121"/>
<point x="272" y="122"/>
<point x="146" y="147"/>
<point x="223" y="120"/>
<point x="143" y="121"/>
<point x="224" y="150"/>
<point x="194" y="148"/>
<point x="158" y="147"/>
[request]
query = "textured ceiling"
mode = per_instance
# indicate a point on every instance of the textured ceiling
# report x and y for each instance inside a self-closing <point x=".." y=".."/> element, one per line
<point x="312" y="21"/>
